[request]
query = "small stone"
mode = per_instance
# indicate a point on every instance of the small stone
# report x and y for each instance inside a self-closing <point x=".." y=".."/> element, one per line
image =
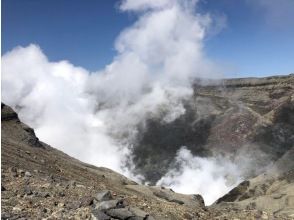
<point x="264" y="215"/>
<point x="28" y="191"/>
<point x="45" y="210"/>
<point x="28" y="174"/>
<point x="21" y="173"/>
<point x="60" y="205"/>
<point x="71" y="184"/>
<point x="3" y="188"/>
<point x="80" y="186"/>
<point x="16" y="209"/>
<point x="46" y="185"/>
<point x="61" y="194"/>
<point x="277" y="196"/>
<point x="45" y="194"/>
<point x="12" y="170"/>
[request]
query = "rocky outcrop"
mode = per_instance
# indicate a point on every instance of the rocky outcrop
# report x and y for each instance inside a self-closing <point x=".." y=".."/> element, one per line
<point x="16" y="130"/>
<point x="106" y="207"/>
<point x="272" y="191"/>
<point x="272" y="194"/>
<point x="7" y="113"/>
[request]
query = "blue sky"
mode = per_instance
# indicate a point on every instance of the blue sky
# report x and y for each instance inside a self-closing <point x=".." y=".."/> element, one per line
<point x="256" y="39"/>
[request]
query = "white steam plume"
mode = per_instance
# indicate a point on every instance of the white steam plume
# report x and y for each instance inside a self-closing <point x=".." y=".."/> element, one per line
<point x="93" y="116"/>
<point x="51" y="98"/>
<point x="210" y="177"/>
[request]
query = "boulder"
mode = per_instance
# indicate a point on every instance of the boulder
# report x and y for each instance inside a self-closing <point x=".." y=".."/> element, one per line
<point x="99" y="215"/>
<point x="110" y="204"/>
<point x="138" y="212"/>
<point x="103" y="196"/>
<point x="120" y="213"/>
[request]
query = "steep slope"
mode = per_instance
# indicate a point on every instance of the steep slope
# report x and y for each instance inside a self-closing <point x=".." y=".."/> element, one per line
<point x="39" y="181"/>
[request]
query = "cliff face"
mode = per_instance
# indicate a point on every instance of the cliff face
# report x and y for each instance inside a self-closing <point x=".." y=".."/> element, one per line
<point x="39" y="181"/>
<point x="228" y="117"/>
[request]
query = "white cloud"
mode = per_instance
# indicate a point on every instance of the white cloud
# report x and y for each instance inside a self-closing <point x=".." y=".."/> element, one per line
<point x="135" y="5"/>
<point x="52" y="100"/>
<point x="168" y="41"/>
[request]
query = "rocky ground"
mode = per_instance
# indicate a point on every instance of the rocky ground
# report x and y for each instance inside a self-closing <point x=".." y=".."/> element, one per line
<point x="40" y="182"/>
